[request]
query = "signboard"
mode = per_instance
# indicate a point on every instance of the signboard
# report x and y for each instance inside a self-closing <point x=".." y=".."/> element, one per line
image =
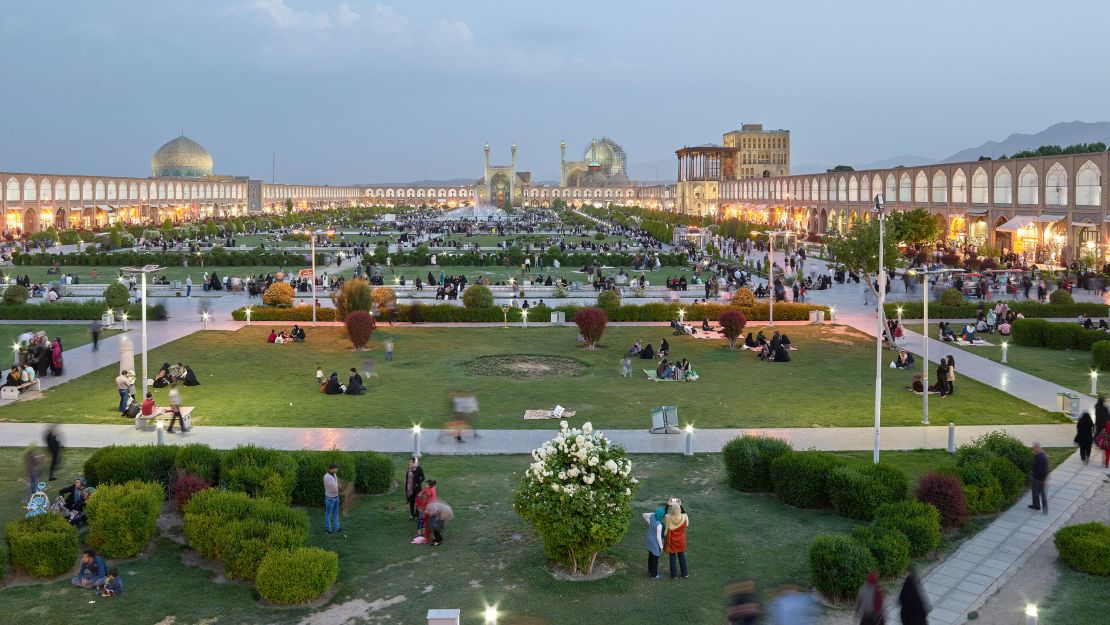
<point x="305" y="273"/>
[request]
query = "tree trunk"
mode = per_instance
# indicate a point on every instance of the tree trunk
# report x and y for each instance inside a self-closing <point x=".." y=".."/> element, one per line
<point x="593" y="559"/>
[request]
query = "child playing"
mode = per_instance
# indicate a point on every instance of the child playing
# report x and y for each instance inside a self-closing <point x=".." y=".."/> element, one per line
<point x="112" y="586"/>
<point x="319" y="376"/>
<point x="388" y="350"/>
<point x="626" y="367"/>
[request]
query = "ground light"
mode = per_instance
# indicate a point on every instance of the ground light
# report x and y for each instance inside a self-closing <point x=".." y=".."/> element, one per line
<point x="15" y="353"/>
<point x="524" y="316"/>
<point x="1094" y="382"/>
<point x="124" y="316"/>
<point x="689" y="440"/>
<point x="248" y="311"/>
<point x="1005" y="347"/>
<point x="832" y="314"/>
<point x="681" y="315"/>
<point x="491" y="615"/>
<point x="1031" y="614"/>
<point x="416" y="440"/>
<point x="204" y="318"/>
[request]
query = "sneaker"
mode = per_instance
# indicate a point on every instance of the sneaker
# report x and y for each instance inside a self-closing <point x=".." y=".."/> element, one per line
<point x="1034" y="507"/>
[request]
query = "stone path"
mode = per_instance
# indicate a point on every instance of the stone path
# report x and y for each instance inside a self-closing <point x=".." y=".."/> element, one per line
<point x="983" y="564"/>
<point x="521" y="441"/>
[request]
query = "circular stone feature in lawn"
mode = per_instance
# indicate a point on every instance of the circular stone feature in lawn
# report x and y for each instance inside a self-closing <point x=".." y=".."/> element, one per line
<point x="525" y="366"/>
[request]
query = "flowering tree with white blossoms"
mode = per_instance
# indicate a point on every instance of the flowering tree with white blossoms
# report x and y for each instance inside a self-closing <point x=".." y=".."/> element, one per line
<point x="578" y="494"/>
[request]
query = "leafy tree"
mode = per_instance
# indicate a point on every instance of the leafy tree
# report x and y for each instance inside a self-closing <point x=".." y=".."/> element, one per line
<point x="840" y="168"/>
<point x="732" y="322"/>
<point x="591" y="324"/>
<point x="289" y="205"/>
<point x="914" y="227"/>
<point x="360" y="325"/>
<point x="858" y="251"/>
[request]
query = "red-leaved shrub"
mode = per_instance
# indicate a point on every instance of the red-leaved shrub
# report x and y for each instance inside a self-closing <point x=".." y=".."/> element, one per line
<point x="360" y="325"/>
<point x="946" y="493"/>
<point x="732" y="322"/>
<point x="184" y="486"/>
<point x="591" y="324"/>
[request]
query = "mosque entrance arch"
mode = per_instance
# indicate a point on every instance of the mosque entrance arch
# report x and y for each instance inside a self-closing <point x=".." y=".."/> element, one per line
<point x="498" y="188"/>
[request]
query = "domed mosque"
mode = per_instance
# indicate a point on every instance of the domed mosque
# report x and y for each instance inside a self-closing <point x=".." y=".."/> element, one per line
<point x="604" y="164"/>
<point x="181" y="158"/>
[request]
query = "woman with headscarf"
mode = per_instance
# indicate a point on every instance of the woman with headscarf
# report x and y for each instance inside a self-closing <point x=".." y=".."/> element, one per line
<point x="333" y="387"/>
<point x="1103" y="441"/>
<point x="869" y="601"/>
<point x="654" y="521"/>
<point x="163" y="378"/>
<point x="913" y="601"/>
<point x="951" y="374"/>
<point x="190" y="377"/>
<point x="56" y="356"/>
<point x="676" y="522"/>
<point x="1084" y="436"/>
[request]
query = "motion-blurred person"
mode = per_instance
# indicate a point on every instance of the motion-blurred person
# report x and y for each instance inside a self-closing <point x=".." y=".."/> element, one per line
<point x="54" y="446"/>
<point x="913" y="602"/>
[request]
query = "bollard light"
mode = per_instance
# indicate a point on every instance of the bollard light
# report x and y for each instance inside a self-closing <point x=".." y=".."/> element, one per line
<point x="110" y="313"/>
<point x="899" y="309"/>
<point x="681" y="315"/>
<point x="161" y="433"/>
<point x="15" y="353"/>
<point x="1094" y="382"/>
<point x="1030" y="614"/>
<point x="125" y="322"/>
<point x="524" y="316"/>
<point x="1005" y="347"/>
<point x="248" y="311"/>
<point x="204" y="318"/>
<point x="689" y="440"/>
<point x="416" y="440"/>
<point x="951" y="438"/>
<point x="491" y="615"/>
<point x="832" y="314"/>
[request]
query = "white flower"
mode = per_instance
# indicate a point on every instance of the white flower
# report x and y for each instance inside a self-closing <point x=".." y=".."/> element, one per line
<point x="559" y="440"/>
<point x="593" y="461"/>
<point x="635" y="481"/>
<point x="563" y="425"/>
<point x="587" y="428"/>
<point x="555" y="487"/>
<point x="562" y="475"/>
<point x="579" y="440"/>
<point x="588" y="478"/>
<point x="627" y="492"/>
<point x="611" y="466"/>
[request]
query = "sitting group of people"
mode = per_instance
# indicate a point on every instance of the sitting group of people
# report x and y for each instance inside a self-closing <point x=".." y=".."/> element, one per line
<point x="331" y="385"/>
<point x="71" y="500"/>
<point x="775" y="349"/>
<point x="169" y="374"/>
<point x="675" y="370"/>
<point x="19" y="375"/>
<point x="1086" y="322"/>
<point x="296" y="335"/>
<point x="904" y="360"/>
<point x="665" y="369"/>
<point x="966" y="332"/>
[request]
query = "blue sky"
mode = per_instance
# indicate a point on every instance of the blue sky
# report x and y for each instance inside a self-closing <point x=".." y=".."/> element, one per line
<point x="353" y="91"/>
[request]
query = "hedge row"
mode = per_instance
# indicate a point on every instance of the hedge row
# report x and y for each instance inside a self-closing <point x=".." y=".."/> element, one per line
<point x="1086" y="547"/>
<point x="1062" y="335"/>
<point x="914" y="310"/>
<point x="42" y="546"/>
<point x="285" y="476"/>
<point x="123" y="518"/>
<point x="87" y="311"/>
<point x="421" y="257"/>
<point x="442" y="313"/>
<point x="215" y="257"/>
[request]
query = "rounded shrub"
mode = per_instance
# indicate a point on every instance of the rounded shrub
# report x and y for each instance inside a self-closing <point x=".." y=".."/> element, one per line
<point x="279" y="294"/>
<point x="124" y="517"/>
<point x="360" y="325"/>
<point x="1085" y="547"/>
<point x="210" y="518"/>
<point x="42" y="546"/>
<point x="801" y="477"/>
<point x="839" y="565"/>
<point x="383" y="297"/>
<point x="889" y="547"/>
<point x="951" y="297"/>
<point x="200" y="460"/>
<point x="292" y="576"/>
<point x="259" y="472"/>
<point x="732" y="322"/>
<point x="946" y="493"/>
<point x="117" y="464"/>
<point x="15" y="294"/>
<point x="1028" y="332"/>
<point x="353" y="295"/>
<point x="1010" y="479"/>
<point x="184" y="486"/>
<point x="982" y="489"/>
<point x="311" y="467"/>
<point x="1060" y="297"/>
<point x="116" y="295"/>
<point x="919" y="521"/>
<point x="851" y="493"/>
<point x="373" y="472"/>
<point x="743" y="297"/>
<point x="1062" y="335"/>
<point x="1100" y="355"/>
<point x="244" y="542"/>
<point x="477" y="296"/>
<point x="748" y="462"/>
<point x="1009" y="447"/>
<point x="608" y="300"/>
<point x="591" y="324"/>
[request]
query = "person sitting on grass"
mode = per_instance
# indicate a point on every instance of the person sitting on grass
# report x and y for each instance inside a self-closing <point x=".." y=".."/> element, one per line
<point x="113" y="586"/>
<point x="1005" y="328"/>
<point x="190" y="377"/>
<point x="354" y="383"/>
<point x="272" y="338"/>
<point x="968" y="334"/>
<point x="647" y="353"/>
<point x="661" y="369"/>
<point x="297" y="334"/>
<point x="332" y="386"/>
<point x="904" y="361"/>
<point x="664" y="348"/>
<point x="163" y="378"/>
<point x="93" y="571"/>
<point x="749" y="342"/>
<point x="781" y="354"/>
<point x="946" y="331"/>
<point x="635" y="349"/>
<point x="705" y="325"/>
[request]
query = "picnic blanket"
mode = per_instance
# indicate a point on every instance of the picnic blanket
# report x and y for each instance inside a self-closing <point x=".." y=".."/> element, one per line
<point x="547" y="414"/>
<point x="650" y="373"/>
<point x="977" y="343"/>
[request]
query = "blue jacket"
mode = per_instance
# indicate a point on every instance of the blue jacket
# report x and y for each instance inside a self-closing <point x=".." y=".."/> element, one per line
<point x="653" y="545"/>
<point x="95" y="569"/>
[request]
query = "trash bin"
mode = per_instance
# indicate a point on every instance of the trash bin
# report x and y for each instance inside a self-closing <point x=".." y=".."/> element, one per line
<point x="816" y="316"/>
<point x="1068" y="403"/>
<point x="558" y="316"/>
<point x="106" y="319"/>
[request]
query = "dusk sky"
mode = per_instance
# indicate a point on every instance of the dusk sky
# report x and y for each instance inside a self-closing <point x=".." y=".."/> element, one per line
<point x="358" y="92"/>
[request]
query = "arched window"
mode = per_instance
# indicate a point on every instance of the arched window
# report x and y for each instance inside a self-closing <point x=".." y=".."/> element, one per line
<point x="921" y="187"/>
<point x="1003" y="187"/>
<point x="813" y="189"/>
<point x="44" y="190"/>
<point x="12" y="193"/>
<point x="111" y="191"/>
<point x="143" y="192"/>
<point x="876" y="188"/>
<point x="905" y="189"/>
<point x="959" y="187"/>
<point x="842" y="190"/>
<point x="59" y="190"/>
<point x="1027" y="186"/>
<point x="853" y="189"/>
<point x="940" y="188"/>
<point x="825" y="191"/>
<point x="1088" y="189"/>
<point x="29" y="194"/>
<point x="74" y="190"/>
<point x="1056" y="186"/>
<point x="99" y="195"/>
<point x="133" y="192"/>
<point x="86" y="190"/>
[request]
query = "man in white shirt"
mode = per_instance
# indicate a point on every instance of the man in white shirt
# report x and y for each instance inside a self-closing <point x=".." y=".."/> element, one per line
<point x="331" y="500"/>
<point x="175" y="408"/>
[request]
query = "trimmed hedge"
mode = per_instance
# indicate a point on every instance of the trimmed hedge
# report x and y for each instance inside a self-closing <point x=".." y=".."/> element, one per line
<point x="1086" y="547"/>
<point x="123" y="518"/>
<point x="1100" y="355"/>
<point x="982" y="490"/>
<point x="801" y="477"/>
<point x="1029" y="332"/>
<point x="373" y="472"/>
<point x="259" y="472"/>
<point x="293" y="576"/>
<point x="79" y="311"/>
<point x="214" y="525"/>
<point x="889" y="547"/>
<point x="1055" y="335"/>
<point x="946" y="493"/>
<point x="311" y="467"/>
<point x="856" y="490"/>
<point x="913" y="310"/>
<point x="748" y="462"/>
<point x="42" y="546"/>
<point x="200" y="460"/>
<point x="274" y="313"/>
<point x="920" y="522"/>
<point x="117" y="464"/>
<point x="839" y="565"/>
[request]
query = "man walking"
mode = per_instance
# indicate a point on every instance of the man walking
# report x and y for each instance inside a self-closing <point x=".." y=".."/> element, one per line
<point x="54" y="445"/>
<point x="175" y="408"/>
<point x="1040" y="474"/>
<point x="94" y="329"/>
<point x="414" y="481"/>
<point x="331" y="500"/>
<point x="188" y="286"/>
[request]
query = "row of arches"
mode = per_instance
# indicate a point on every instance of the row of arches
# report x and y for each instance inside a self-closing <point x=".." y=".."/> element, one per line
<point x="295" y="192"/>
<point x="59" y="190"/>
<point x="1059" y="188"/>
<point x="420" y="192"/>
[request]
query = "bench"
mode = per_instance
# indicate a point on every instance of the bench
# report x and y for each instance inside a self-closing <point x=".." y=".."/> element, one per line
<point x="164" y="414"/>
<point x="13" y="392"/>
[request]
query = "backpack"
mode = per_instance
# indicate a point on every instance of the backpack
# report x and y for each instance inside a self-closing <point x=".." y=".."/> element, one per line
<point x="133" y="410"/>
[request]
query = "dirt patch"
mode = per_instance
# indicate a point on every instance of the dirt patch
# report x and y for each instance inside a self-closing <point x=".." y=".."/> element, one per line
<point x="353" y="611"/>
<point x="603" y="568"/>
<point x="525" y="366"/>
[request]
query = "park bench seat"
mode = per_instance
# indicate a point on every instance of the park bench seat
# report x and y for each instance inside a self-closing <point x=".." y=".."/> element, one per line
<point x="13" y="392"/>
<point x="164" y="414"/>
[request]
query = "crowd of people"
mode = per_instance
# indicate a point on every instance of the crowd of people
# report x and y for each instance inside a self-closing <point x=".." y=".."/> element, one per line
<point x="775" y="349"/>
<point x="665" y="368"/>
<point x="295" y="335"/>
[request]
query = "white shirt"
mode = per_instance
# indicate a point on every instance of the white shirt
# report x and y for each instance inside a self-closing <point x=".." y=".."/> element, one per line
<point x="175" y="397"/>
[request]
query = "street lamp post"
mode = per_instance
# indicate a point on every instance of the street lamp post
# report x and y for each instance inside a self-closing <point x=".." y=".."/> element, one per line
<point x="771" y="234"/>
<point x="145" y="269"/>
<point x="879" y="335"/>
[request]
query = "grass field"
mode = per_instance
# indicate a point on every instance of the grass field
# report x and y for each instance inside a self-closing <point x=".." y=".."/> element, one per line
<point x="73" y="335"/>
<point x="246" y="381"/>
<point x="1072" y="599"/>
<point x="105" y="275"/>
<point x="1070" y="368"/>
<point x="489" y="556"/>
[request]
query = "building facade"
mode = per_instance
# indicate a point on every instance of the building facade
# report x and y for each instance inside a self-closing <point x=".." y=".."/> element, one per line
<point x="1046" y="209"/>
<point x="750" y="152"/>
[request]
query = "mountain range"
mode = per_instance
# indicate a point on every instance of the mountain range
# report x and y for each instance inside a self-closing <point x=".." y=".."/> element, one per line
<point x="1062" y="134"/>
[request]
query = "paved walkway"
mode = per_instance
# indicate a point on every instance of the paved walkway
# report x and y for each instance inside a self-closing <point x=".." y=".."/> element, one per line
<point x="523" y="441"/>
<point x="968" y="577"/>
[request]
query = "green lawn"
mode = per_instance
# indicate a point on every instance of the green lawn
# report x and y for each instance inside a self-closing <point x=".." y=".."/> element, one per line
<point x="489" y="556"/>
<point x="73" y="335"/>
<point x="499" y="273"/>
<point x="246" y="381"/>
<point x="105" y="275"/>
<point x="1070" y="368"/>
<point x="1072" y="599"/>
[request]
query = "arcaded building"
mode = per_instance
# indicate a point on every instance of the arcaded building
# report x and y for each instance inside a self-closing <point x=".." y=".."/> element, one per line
<point x="750" y="152"/>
